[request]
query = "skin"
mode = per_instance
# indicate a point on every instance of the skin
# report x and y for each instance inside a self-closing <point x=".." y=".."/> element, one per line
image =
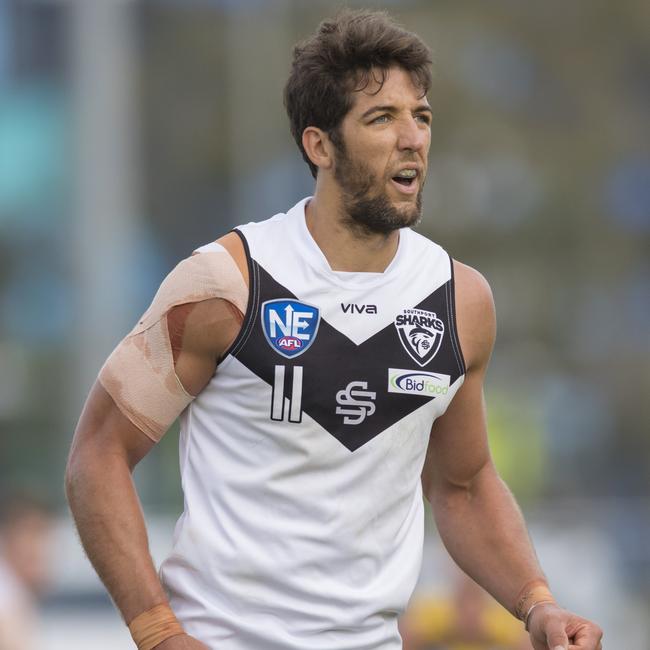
<point x="382" y="142"/>
<point x="106" y="444"/>
<point x="477" y="517"/>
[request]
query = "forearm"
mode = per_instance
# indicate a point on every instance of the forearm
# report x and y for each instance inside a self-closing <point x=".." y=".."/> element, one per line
<point x="107" y="512"/>
<point x="483" y="529"/>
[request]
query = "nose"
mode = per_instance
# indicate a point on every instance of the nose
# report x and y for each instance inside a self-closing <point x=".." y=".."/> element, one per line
<point x="413" y="135"/>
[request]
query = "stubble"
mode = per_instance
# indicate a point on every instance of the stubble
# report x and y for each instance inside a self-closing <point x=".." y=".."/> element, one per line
<point x="367" y="209"/>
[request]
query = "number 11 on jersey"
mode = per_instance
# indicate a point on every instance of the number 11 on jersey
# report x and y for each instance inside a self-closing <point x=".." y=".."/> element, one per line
<point x="294" y="394"/>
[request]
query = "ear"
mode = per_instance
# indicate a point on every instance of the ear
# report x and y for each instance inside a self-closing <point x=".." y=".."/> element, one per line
<point x="319" y="147"/>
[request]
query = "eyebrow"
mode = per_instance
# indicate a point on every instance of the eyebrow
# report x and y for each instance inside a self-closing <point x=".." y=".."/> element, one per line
<point x="392" y="109"/>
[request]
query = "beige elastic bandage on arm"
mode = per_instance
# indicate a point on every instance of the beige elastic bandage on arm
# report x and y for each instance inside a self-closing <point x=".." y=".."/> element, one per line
<point x="139" y="375"/>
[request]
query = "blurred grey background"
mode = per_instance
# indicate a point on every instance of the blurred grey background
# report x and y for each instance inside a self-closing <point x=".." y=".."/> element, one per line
<point x="132" y="132"/>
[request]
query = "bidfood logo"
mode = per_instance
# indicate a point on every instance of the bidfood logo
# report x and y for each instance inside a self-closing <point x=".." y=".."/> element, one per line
<point x="412" y="382"/>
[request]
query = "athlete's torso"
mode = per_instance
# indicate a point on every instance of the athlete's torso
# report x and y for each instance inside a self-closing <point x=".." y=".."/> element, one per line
<point x="301" y="459"/>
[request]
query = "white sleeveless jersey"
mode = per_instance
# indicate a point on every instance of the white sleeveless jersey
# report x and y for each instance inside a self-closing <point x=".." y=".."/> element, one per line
<point x="301" y="459"/>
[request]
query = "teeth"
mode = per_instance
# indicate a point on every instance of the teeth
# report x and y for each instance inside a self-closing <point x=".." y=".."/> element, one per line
<point x="408" y="173"/>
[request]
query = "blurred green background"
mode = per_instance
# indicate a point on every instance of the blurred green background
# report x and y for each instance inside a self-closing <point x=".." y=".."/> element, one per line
<point x="132" y="132"/>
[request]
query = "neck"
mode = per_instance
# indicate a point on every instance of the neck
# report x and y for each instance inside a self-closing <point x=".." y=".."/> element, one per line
<point x="346" y="248"/>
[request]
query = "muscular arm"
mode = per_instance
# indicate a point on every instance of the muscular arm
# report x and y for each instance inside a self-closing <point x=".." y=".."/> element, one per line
<point x="107" y="446"/>
<point x="105" y="450"/>
<point x="106" y="509"/>
<point x="477" y="516"/>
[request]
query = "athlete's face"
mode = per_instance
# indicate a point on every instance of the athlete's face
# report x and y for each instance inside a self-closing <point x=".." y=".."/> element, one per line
<point x="382" y="164"/>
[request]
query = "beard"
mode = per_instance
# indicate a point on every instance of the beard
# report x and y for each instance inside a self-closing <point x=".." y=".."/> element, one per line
<point x="365" y="211"/>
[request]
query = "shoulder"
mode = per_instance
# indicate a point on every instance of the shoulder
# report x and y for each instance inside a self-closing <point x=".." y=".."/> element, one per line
<point x="472" y="289"/>
<point x="216" y="270"/>
<point x="233" y="245"/>
<point x="198" y="291"/>
<point x="475" y="315"/>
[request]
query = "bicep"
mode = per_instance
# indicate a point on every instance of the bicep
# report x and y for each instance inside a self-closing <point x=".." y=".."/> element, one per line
<point x="199" y="335"/>
<point x="172" y="353"/>
<point x="140" y="392"/>
<point x="458" y="445"/>
<point x="154" y="374"/>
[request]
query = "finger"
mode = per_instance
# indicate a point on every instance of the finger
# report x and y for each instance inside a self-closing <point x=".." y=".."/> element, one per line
<point x="587" y="636"/>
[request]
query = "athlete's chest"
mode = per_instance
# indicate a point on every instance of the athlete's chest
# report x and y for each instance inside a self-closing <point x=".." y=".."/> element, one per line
<point x="354" y="360"/>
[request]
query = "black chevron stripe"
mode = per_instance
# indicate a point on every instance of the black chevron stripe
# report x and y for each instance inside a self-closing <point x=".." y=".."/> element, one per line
<point x="333" y="361"/>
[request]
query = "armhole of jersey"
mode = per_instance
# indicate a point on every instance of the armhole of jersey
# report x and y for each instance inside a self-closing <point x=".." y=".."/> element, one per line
<point x="455" y="342"/>
<point x="251" y="309"/>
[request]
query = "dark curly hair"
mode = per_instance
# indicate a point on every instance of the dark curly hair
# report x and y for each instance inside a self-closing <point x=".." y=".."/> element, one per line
<point x="342" y="57"/>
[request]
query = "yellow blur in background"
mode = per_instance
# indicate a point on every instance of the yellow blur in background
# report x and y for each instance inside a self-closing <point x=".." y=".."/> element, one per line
<point x="465" y="618"/>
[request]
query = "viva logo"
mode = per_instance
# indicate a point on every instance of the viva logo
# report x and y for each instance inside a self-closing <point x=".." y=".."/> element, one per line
<point x="353" y="308"/>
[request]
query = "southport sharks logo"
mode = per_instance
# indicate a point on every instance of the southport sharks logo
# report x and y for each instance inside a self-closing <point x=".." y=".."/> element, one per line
<point x="420" y="332"/>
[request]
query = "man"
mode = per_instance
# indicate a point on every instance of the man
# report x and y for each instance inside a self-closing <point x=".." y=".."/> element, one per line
<point x="313" y="358"/>
<point x="25" y="531"/>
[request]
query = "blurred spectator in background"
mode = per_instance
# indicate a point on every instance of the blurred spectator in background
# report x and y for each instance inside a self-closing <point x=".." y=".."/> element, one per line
<point x="25" y="532"/>
<point x="465" y="619"/>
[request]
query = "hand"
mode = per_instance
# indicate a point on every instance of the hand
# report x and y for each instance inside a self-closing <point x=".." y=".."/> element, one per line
<point x="181" y="642"/>
<point x="554" y="628"/>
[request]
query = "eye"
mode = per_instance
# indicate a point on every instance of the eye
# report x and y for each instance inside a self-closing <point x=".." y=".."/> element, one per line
<point x="381" y="119"/>
<point x="423" y="117"/>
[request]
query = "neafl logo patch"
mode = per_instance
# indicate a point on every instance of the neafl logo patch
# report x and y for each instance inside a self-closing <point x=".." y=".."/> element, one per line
<point x="420" y="332"/>
<point x="290" y="326"/>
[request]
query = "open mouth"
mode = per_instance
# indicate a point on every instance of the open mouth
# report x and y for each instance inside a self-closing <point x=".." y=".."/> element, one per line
<point x="406" y="178"/>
